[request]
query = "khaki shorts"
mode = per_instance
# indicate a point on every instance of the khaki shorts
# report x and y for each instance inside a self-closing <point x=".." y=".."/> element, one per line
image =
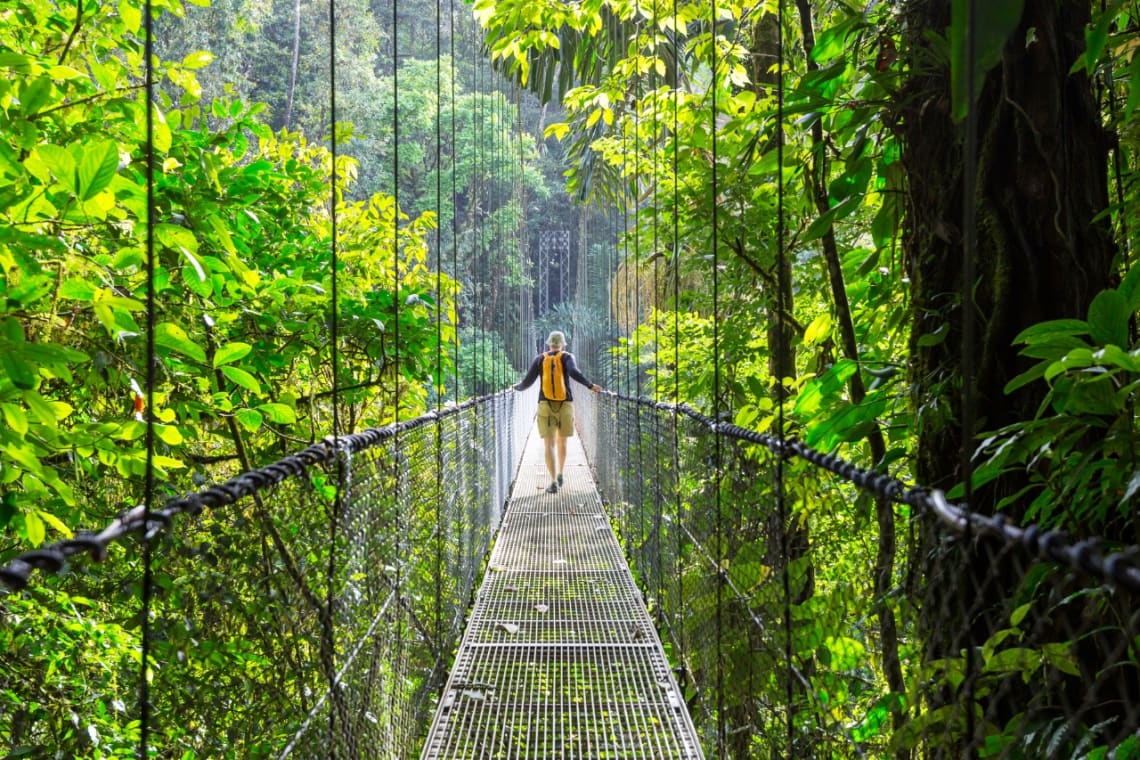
<point x="555" y="416"/>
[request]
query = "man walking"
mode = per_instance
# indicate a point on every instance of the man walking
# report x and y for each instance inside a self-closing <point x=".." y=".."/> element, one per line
<point x="555" y="401"/>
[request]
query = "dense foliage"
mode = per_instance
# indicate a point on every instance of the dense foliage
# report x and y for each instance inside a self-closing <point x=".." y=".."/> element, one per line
<point x="789" y="259"/>
<point x="795" y="261"/>
<point x="242" y="282"/>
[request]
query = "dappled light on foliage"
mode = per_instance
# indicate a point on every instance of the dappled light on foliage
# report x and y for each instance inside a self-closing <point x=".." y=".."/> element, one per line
<point x="799" y="218"/>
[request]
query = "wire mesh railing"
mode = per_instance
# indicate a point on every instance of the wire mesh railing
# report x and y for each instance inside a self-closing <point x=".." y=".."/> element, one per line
<point x="986" y="640"/>
<point x="286" y="622"/>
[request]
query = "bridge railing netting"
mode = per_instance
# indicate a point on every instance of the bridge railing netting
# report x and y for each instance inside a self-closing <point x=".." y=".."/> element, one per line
<point x="785" y="644"/>
<point x="285" y="621"/>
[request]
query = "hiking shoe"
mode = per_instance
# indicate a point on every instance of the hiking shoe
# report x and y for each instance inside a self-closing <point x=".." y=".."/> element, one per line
<point x="552" y="488"/>
<point x="559" y="479"/>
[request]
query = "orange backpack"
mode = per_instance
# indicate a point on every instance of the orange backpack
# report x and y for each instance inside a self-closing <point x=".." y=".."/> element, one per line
<point x="553" y="376"/>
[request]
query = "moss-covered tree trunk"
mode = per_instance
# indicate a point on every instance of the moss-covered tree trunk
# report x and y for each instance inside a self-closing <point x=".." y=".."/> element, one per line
<point x="1041" y="181"/>
<point x="1041" y="254"/>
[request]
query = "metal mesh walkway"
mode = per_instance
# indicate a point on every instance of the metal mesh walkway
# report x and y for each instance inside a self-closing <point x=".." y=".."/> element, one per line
<point x="560" y="659"/>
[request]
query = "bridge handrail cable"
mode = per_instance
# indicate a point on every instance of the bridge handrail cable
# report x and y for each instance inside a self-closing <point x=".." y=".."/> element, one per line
<point x="1087" y="555"/>
<point x="52" y="557"/>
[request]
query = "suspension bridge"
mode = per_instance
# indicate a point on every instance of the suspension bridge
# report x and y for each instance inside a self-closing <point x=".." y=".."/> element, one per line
<point x="443" y="605"/>
<point x="412" y="590"/>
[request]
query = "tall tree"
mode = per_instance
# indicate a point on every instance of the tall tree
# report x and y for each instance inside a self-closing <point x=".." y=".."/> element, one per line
<point x="1043" y="251"/>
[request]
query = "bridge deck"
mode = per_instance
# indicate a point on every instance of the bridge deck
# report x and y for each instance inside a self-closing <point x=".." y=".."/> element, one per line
<point x="560" y="659"/>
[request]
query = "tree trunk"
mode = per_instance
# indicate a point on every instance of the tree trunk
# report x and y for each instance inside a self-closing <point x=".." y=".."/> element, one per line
<point x="1041" y="254"/>
<point x="294" y="65"/>
<point x="883" y="572"/>
<point x="790" y="537"/>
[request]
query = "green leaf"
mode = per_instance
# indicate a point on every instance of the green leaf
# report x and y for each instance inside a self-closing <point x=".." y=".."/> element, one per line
<point x="1013" y="660"/>
<point x="22" y="374"/>
<point x="850" y="422"/>
<point x="61" y="164"/>
<point x="1133" y="102"/>
<point x="198" y="59"/>
<point x="162" y="136"/>
<point x="1115" y="356"/>
<point x="832" y="42"/>
<point x="15" y="418"/>
<point x="1095" y="40"/>
<point x="996" y="20"/>
<point x="63" y="73"/>
<point x="131" y="15"/>
<point x="34" y="528"/>
<point x="1108" y="318"/>
<point x="35" y="94"/>
<point x="279" y="413"/>
<point x="169" y="463"/>
<point x="16" y="62"/>
<point x="171" y="336"/>
<point x="240" y="377"/>
<point x="176" y="238"/>
<point x="231" y="352"/>
<point x="1019" y="614"/>
<point x="844" y="653"/>
<point x="193" y="277"/>
<point x="97" y="168"/>
<point x="250" y="419"/>
<point x="24" y="456"/>
<point x="54" y="522"/>
<point x="40" y="407"/>
<point x="1092" y="396"/>
<point x="1054" y="327"/>
<point x="131" y="430"/>
<point x="878" y="717"/>
<point x="1130" y="285"/>
<point x="168" y="434"/>
<point x="77" y="289"/>
<point x="1053" y="347"/>
<point x="746" y="415"/>
<point x="935" y="338"/>
<point x="824" y="221"/>
<point x="853" y="182"/>
<point x="1078" y="358"/>
<point x="885" y="224"/>
<point x="824" y="386"/>
<point x="819" y="329"/>
<point x="558" y="130"/>
<point x="1036" y="372"/>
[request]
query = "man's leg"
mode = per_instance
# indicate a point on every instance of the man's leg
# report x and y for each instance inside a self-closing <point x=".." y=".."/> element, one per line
<point x="561" y="455"/>
<point x="548" y="446"/>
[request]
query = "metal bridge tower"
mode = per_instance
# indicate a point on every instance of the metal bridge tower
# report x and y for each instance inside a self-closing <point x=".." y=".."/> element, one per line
<point x="553" y="269"/>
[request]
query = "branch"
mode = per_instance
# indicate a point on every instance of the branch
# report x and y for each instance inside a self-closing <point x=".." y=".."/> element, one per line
<point x="81" y="101"/>
<point x="74" y="31"/>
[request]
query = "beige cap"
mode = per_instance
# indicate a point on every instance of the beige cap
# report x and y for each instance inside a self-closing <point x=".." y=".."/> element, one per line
<point x="556" y="339"/>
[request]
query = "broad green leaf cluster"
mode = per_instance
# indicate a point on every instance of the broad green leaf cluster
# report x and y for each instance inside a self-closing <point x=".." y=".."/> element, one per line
<point x="766" y="273"/>
<point x="239" y="220"/>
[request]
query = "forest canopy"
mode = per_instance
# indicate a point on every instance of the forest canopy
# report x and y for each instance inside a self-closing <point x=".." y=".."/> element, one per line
<point x="805" y="217"/>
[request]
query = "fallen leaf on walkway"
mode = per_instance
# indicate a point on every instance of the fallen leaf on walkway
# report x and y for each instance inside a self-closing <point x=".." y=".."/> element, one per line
<point x="541" y="607"/>
<point x="508" y="627"/>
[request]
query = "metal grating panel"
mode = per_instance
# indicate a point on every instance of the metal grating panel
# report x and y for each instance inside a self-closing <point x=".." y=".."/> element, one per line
<point x="562" y="702"/>
<point x="556" y="542"/>
<point x="560" y="658"/>
<point x="519" y="608"/>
